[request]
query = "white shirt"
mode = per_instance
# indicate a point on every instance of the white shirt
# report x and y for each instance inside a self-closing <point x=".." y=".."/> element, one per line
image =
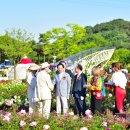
<point x="119" y="79"/>
<point x="79" y="74"/>
<point x="61" y="75"/>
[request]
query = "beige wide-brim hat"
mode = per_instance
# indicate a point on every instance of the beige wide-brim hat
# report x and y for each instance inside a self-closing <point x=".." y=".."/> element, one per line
<point x="34" y="67"/>
<point x="44" y="65"/>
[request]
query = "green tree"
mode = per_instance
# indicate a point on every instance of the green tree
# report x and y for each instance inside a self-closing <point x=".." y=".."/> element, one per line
<point x="15" y="44"/>
<point x="62" y="42"/>
<point x="122" y="55"/>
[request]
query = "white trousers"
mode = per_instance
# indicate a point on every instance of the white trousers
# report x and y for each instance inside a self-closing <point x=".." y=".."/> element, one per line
<point x="61" y="102"/>
<point x="44" y="108"/>
<point x="33" y="106"/>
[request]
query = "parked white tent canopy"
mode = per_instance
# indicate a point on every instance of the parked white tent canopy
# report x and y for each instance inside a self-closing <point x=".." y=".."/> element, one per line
<point x="21" y="69"/>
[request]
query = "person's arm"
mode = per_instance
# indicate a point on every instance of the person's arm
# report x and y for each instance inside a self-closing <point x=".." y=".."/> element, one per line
<point x="68" y="85"/>
<point x="31" y="81"/>
<point x="49" y="82"/>
<point x="114" y="79"/>
<point x="54" y="80"/>
<point x="84" y="82"/>
<point x="70" y="73"/>
<point x="73" y="85"/>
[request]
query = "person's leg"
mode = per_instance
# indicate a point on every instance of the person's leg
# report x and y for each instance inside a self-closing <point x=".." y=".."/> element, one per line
<point x="36" y="107"/>
<point x="65" y="104"/>
<point x="47" y="108"/>
<point x="92" y="104"/>
<point x="76" y="111"/>
<point x="68" y="103"/>
<point x="98" y="105"/>
<point x="82" y="106"/>
<point x="40" y="107"/>
<point x="30" y="106"/>
<point x="58" y="105"/>
<point x="120" y="99"/>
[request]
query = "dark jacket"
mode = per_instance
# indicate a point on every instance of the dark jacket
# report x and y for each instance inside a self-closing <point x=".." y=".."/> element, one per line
<point x="78" y="89"/>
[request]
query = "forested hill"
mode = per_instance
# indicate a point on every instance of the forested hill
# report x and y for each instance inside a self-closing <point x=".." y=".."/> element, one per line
<point x="117" y="32"/>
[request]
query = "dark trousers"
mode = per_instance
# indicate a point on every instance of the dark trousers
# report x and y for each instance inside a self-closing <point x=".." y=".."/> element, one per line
<point x="96" y="105"/>
<point x="80" y="106"/>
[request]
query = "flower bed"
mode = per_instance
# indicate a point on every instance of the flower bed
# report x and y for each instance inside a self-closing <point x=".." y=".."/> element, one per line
<point x="14" y="113"/>
<point x="23" y="120"/>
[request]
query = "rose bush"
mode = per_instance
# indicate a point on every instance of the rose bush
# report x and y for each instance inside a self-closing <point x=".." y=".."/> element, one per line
<point x="14" y="113"/>
<point x="64" y="122"/>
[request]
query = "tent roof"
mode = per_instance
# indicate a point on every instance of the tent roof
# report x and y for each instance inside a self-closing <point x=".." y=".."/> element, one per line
<point x="25" y="60"/>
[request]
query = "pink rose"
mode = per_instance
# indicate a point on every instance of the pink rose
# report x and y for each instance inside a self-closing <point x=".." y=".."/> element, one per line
<point x="87" y="112"/>
<point x="8" y="102"/>
<point x="22" y="112"/>
<point x="8" y="114"/>
<point x="33" y="124"/>
<point x="46" y="127"/>
<point x="104" y="124"/>
<point x="22" y="123"/>
<point x="6" y="118"/>
<point x="89" y="116"/>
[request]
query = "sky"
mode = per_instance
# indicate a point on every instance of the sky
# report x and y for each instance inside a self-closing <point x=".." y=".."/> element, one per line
<point x="39" y="16"/>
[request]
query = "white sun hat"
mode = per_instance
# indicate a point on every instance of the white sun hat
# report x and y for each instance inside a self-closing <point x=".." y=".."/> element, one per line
<point x="34" y="67"/>
<point x="44" y="65"/>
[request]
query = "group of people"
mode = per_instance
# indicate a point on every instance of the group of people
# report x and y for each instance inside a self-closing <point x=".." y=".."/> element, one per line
<point x="98" y="91"/>
<point x="40" y="87"/>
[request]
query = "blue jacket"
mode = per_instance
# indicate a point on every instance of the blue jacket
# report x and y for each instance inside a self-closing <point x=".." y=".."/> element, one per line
<point x="63" y="85"/>
<point x="78" y="89"/>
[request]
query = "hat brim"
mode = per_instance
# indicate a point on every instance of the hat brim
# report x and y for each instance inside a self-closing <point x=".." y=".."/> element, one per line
<point x="45" y="66"/>
<point x="33" y="68"/>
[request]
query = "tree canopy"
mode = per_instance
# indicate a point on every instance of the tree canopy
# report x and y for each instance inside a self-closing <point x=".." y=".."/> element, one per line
<point x="63" y="42"/>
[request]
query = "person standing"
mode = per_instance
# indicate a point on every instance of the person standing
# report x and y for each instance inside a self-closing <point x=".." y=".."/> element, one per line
<point x="62" y="81"/>
<point x="32" y="84"/>
<point x="44" y="86"/>
<point x="71" y="75"/>
<point x="97" y="91"/>
<point x="119" y="79"/>
<point x="79" y="91"/>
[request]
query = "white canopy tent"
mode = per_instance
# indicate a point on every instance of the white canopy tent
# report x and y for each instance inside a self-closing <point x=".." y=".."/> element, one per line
<point x="21" y="69"/>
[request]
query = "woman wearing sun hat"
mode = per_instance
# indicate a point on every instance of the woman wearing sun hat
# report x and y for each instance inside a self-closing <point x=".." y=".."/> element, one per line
<point x="45" y="86"/>
<point x="32" y="83"/>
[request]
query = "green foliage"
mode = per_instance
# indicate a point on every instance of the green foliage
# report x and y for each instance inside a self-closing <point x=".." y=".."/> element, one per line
<point x="17" y="91"/>
<point x="67" y="122"/>
<point x="10" y="89"/>
<point x="63" y="42"/>
<point x="15" y="44"/>
<point x="122" y="55"/>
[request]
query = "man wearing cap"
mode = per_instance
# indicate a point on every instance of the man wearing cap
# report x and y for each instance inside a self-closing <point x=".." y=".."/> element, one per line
<point x="45" y="87"/>
<point x="31" y="82"/>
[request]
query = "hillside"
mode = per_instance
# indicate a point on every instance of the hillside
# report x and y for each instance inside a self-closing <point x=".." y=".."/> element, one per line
<point x="117" y="32"/>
